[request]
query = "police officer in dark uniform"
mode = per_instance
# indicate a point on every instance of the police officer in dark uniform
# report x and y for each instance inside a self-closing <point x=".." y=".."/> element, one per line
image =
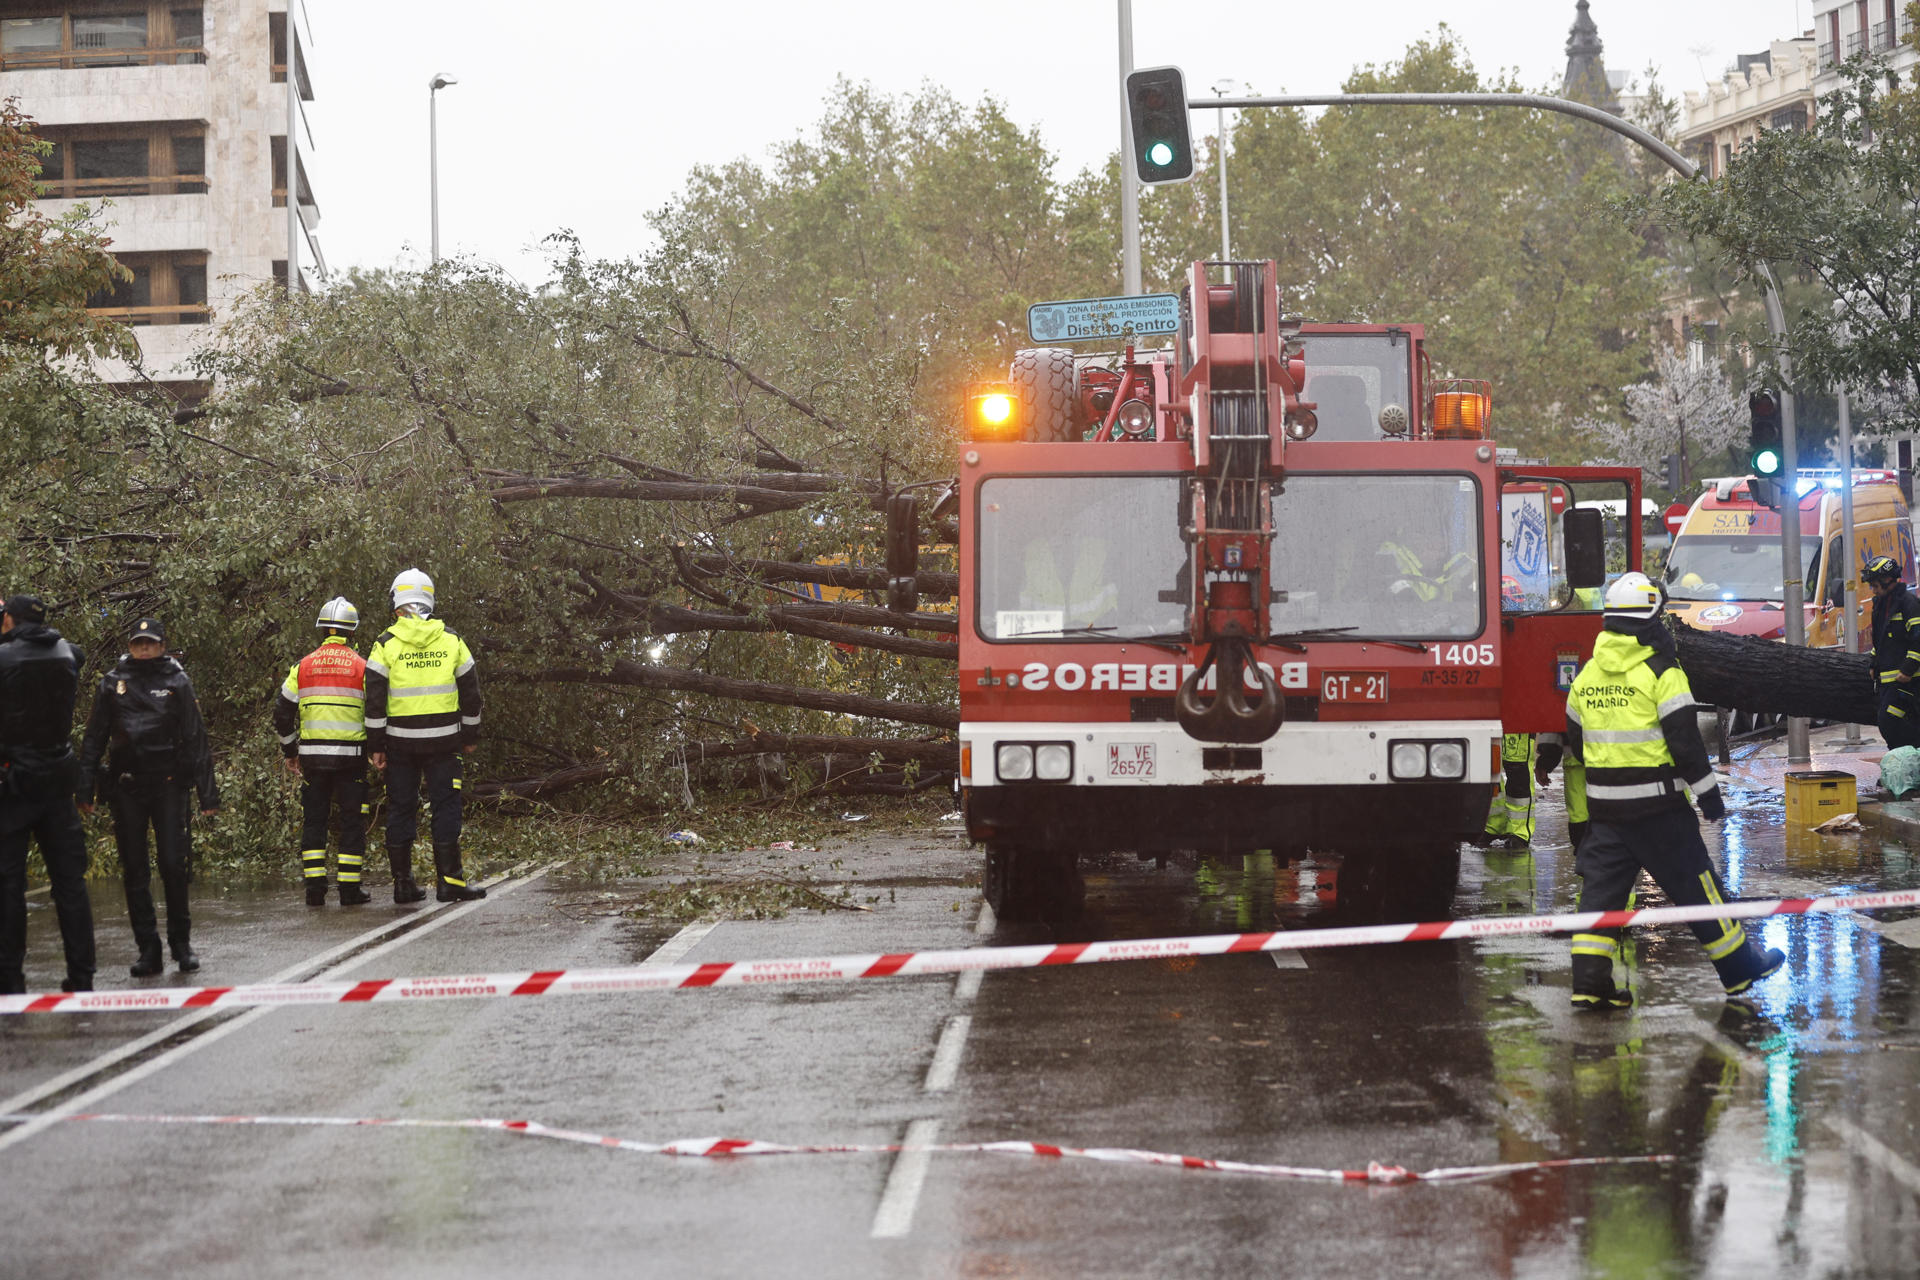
<point x="146" y="709"/>
<point x="1896" y="652"/>
<point x="1631" y="721"/>
<point x="39" y="680"/>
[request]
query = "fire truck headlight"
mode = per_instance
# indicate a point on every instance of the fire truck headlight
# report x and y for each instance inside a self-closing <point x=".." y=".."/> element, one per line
<point x="1407" y="760"/>
<point x="1053" y="761"/>
<point x="1136" y="418"/>
<point x="1013" y="762"/>
<point x="1447" y="760"/>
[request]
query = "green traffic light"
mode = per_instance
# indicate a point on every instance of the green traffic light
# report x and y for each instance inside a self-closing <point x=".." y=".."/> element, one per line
<point x="1766" y="462"/>
<point x="1160" y="155"/>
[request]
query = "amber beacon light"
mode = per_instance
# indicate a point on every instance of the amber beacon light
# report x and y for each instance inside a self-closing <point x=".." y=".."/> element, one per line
<point x="992" y="411"/>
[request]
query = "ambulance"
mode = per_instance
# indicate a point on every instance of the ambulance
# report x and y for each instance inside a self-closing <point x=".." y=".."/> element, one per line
<point x="1724" y="569"/>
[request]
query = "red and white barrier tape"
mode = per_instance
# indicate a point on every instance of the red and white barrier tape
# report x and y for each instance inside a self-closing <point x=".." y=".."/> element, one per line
<point x="751" y="973"/>
<point x="717" y="1148"/>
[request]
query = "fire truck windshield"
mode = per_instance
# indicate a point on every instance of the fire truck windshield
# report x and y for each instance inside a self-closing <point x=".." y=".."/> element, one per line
<point x="1714" y="567"/>
<point x="1351" y="377"/>
<point x="1378" y="557"/>
<point x="1080" y="557"/>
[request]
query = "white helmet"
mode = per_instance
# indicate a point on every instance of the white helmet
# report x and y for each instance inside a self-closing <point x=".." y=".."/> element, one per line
<point x="1633" y="596"/>
<point x="339" y="614"/>
<point x="413" y="588"/>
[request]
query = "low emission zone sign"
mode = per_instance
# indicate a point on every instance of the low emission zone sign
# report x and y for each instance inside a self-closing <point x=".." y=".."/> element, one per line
<point x="1090" y="319"/>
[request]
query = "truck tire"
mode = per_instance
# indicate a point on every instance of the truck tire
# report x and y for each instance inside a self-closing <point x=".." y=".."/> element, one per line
<point x="1032" y="886"/>
<point x="1048" y="387"/>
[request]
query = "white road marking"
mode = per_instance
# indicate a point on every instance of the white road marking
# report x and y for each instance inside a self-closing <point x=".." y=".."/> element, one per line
<point x="894" y="1218"/>
<point x="1288" y="960"/>
<point x="108" y="1088"/>
<point x="946" y="1054"/>
<point x="969" y="984"/>
<point x="984" y="923"/>
<point x="674" y="949"/>
<point x="1905" y="933"/>
<point x="1872" y="1150"/>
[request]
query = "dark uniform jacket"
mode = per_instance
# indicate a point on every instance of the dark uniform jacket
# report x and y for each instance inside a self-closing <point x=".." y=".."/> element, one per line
<point x="39" y="681"/>
<point x="147" y="711"/>
<point x="1896" y="635"/>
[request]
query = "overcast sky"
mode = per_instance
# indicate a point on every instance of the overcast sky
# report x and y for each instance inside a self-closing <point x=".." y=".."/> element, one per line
<point x="587" y="114"/>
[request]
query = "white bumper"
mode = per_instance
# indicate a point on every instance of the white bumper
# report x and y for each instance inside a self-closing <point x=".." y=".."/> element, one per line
<point x="1159" y="753"/>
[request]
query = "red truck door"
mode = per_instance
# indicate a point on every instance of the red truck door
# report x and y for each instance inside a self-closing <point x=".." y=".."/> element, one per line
<point x="1547" y="626"/>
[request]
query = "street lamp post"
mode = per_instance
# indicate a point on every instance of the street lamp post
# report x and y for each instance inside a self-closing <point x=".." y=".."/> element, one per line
<point x="440" y="81"/>
<point x="1222" y="88"/>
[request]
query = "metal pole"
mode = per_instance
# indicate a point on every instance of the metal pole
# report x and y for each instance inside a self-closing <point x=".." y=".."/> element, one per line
<point x="433" y="161"/>
<point x="1226" y="245"/>
<point x="1791" y="564"/>
<point x="293" y="157"/>
<point x="1129" y="190"/>
<point x="1850" y="577"/>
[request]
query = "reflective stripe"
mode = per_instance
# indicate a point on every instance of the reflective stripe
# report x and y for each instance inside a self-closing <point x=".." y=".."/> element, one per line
<point x="1729" y="943"/>
<point x="288" y="739"/>
<point x="460" y="884"/>
<point x="442" y="731"/>
<point x="333" y="726"/>
<point x="376" y="722"/>
<point x="469" y="719"/>
<point x="333" y="691"/>
<point x="376" y="667"/>
<point x="1624" y="735"/>
<point x="286" y="695"/>
<point x="422" y="691"/>
<point x="1573" y="712"/>
<point x="1678" y="702"/>
<point x="1703" y="786"/>
<point x="1632" y="791"/>
<point x="464" y="667"/>
<point x="1594" y="944"/>
<point x="326" y="749"/>
<point x="351" y="860"/>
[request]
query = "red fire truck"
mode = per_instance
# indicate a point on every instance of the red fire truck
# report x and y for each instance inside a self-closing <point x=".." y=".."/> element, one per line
<point x="1246" y="593"/>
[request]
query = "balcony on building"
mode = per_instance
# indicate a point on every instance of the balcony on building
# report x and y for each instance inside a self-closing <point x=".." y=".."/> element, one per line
<point x="83" y="64"/>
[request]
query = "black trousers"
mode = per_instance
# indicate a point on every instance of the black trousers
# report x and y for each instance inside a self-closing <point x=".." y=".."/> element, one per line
<point x="406" y="776"/>
<point x="323" y="790"/>
<point x="1899" y="718"/>
<point x="55" y="823"/>
<point x="162" y="805"/>
<point x="1668" y="846"/>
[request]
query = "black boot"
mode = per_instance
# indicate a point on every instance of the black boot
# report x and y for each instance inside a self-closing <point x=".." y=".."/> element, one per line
<point x="316" y="893"/>
<point x="77" y="982"/>
<point x="189" y="962"/>
<point x="453" y="886"/>
<point x="400" y="862"/>
<point x="352" y="895"/>
<point x="149" y="962"/>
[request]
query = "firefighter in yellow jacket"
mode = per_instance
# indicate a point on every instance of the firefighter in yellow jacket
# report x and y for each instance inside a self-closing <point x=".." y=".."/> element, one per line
<point x="320" y="716"/>
<point x="423" y="711"/>
<point x="1631" y="720"/>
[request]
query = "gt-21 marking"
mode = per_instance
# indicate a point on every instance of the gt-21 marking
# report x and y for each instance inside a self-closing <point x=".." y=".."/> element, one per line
<point x="1462" y="655"/>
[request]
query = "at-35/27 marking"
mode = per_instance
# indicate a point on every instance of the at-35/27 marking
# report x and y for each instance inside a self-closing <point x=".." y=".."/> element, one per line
<point x="1450" y="676"/>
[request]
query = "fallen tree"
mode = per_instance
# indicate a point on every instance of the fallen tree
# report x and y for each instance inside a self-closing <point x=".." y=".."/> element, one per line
<point x="1764" y="675"/>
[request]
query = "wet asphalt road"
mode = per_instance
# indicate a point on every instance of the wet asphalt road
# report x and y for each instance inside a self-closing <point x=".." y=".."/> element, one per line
<point x="1793" y="1127"/>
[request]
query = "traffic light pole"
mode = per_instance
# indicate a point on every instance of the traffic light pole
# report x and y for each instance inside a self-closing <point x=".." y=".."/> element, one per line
<point x="1794" y="605"/>
<point x="1129" y="189"/>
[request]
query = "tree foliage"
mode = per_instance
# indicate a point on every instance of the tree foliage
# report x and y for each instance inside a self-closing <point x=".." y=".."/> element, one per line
<point x="1682" y="409"/>
<point x="1833" y="205"/>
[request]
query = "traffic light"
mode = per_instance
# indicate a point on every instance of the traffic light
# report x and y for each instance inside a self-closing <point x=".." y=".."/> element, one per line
<point x="1157" y="117"/>
<point x="1765" y="454"/>
<point x="1674" y="480"/>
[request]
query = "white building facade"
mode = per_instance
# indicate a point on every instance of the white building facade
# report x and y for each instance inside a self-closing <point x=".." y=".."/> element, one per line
<point x="1844" y="29"/>
<point x="178" y="115"/>
<point x="1772" y="89"/>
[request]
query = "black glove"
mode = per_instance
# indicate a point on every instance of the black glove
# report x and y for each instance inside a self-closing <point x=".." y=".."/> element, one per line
<point x="1712" y="806"/>
<point x="1546" y="759"/>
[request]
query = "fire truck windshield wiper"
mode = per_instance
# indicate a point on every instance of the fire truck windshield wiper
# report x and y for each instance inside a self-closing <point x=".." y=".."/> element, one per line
<point x="1287" y="639"/>
<point x="1171" y="643"/>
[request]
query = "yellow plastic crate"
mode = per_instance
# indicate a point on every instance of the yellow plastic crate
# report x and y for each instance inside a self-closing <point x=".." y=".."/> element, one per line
<point x="1815" y="795"/>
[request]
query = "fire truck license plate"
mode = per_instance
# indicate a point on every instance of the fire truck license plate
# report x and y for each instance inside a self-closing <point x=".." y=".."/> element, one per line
<point x="1130" y="759"/>
<point x="1353" y="686"/>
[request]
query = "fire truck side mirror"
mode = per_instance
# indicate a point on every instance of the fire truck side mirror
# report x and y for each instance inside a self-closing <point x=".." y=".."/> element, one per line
<point x="903" y="552"/>
<point x="1583" y="532"/>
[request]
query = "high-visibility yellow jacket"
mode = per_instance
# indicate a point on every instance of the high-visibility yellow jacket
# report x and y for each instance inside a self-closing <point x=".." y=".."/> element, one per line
<point x="423" y="696"/>
<point x="320" y="714"/>
<point x="1631" y="719"/>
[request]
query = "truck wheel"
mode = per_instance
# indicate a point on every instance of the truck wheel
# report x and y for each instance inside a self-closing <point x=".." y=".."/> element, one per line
<point x="1032" y="886"/>
<point x="1048" y="385"/>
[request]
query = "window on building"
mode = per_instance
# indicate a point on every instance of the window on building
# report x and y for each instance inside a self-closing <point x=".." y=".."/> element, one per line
<point x="1726" y="157"/>
<point x="90" y="162"/>
<point x="1794" y="118"/>
<point x="103" y="33"/>
<point x="277" y="41"/>
<point x="280" y="178"/>
<point x="167" y="288"/>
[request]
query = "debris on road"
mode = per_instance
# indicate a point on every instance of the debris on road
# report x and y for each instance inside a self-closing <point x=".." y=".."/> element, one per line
<point x="684" y="837"/>
<point x="1839" y="823"/>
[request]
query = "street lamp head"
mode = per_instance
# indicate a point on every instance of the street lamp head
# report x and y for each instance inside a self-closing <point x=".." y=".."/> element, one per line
<point x="1225" y="87"/>
<point x="441" y="80"/>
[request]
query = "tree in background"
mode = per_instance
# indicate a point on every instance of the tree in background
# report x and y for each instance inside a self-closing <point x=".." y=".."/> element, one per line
<point x="1685" y="409"/>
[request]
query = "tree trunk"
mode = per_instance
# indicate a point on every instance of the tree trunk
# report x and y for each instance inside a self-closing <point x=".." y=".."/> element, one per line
<point x="644" y="676"/>
<point x="1752" y="674"/>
